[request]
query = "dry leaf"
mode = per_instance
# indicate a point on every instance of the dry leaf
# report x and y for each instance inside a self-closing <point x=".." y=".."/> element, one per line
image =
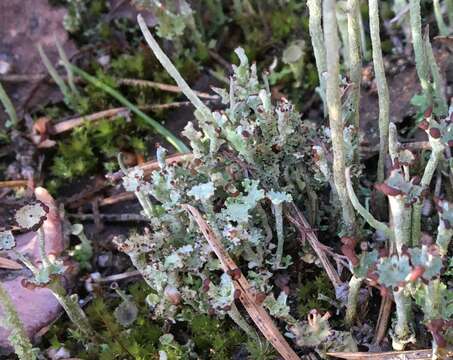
<point x="9" y="264"/>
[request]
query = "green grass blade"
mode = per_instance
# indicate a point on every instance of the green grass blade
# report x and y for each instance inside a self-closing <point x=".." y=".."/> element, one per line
<point x="54" y="74"/>
<point x="68" y="69"/>
<point x="9" y="108"/>
<point x="168" y="135"/>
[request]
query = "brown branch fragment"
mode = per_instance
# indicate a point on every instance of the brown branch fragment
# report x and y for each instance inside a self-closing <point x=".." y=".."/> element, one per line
<point x="424" y="354"/>
<point x="9" y="264"/>
<point x="14" y="183"/>
<point x="164" y="87"/>
<point x="150" y="166"/>
<point x="258" y="314"/>
<point x="69" y="124"/>
<point x="296" y="217"/>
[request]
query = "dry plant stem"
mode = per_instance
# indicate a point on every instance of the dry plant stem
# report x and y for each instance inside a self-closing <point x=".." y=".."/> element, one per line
<point x="443" y="29"/>
<point x="422" y="354"/>
<point x="258" y="314"/>
<point x="355" y="59"/>
<point x="8" y="105"/>
<point x="13" y="183"/>
<point x="164" y="87"/>
<point x="383" y="319"/>
<point x="317" y="42"/>
<point x="421" y="61"/>
<point x="117" y="277"/>
<point x="111" y="217"/>
<point x="370" y="219"/>
<point x="300" y="222"/>
<point x="9" y="264"/>
<point x="383" y="90"/>
<point x="171" y="69"/>
<point x="18" y="336"/>
<point x="150" y="166"/>
<point x="69" y="124"/>
<point x="334" y="108"/>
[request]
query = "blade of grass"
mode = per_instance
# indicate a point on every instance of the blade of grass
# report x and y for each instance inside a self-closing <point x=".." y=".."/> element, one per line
<point x="9" y="108"/>
<point x="168" y="136"/>
<point x="54" y="74"/>
<point x="64" y="59"/>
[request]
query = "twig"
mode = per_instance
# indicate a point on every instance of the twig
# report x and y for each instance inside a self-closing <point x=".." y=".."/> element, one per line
<point x="220" y="60"/>
<point x="13" y="183"/>
<point x="383" y="319"/>
<point x="117" y="277"/>
<point x="69" y="124"/>
<point x="258" y="314"/>
<point x="9" y="264"/>
<point x="425" y="354"/>
<point x="22" y="77"/>
<point x="296" y="217"/>
<point x="148" y="167"/>
<point x="110" y="217"/>
<point x="164" y="87"/>
<point x="117" y="198"/>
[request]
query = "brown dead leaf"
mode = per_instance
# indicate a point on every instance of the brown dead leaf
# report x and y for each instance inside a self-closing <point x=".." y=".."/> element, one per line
<point x="9" y="264"/>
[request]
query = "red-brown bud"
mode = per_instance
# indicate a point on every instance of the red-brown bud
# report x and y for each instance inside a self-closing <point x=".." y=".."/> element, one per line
<point x="424" y="125"/>
<point x="416" y="273"/>
<point x="428" y="112"/>
<point x="387" y="190"/>
<point x="435" y="133"/>
<point x="235" y="273"/>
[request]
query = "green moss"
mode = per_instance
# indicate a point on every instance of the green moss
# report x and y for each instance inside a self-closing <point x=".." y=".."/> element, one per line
<point x="308" y="294"/>
<point x="93" y="144"/>
<point x="212" y="339"/>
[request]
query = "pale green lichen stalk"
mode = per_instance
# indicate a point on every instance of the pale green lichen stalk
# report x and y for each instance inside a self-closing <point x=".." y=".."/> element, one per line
<point x="317" y="42"/>
<point x="334" y="109"/>
<point x="383" y="92"/>
<point x="421" y="61"/>
<point x="443" y="28"/>
<point x="49" y="271"/>
<point x="353" y="14"/>
<point x="18" y="336"/>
